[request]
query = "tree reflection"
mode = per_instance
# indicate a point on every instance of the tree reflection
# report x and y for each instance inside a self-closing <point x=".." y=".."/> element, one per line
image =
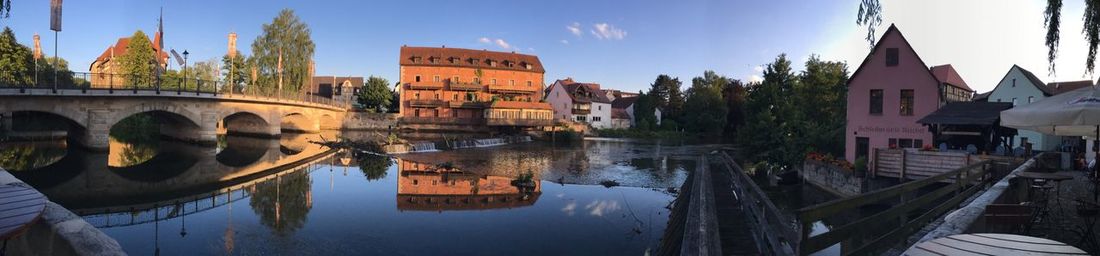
<point x="133" y="154"/>
<point x="283" y="202"/>
<point x="373" y="166"/>
<point x="136" y="139"/>
<point x="20" y="157"/>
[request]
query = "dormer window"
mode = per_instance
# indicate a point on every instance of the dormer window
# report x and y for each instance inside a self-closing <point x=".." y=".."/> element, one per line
<point x="492" y="63"/>
<point x="455" y="60"/>
<point x="432" y="59"/>
<point x="528" y="66"/>
<point x="473" y="61"/>
<point x="416" y="59"/>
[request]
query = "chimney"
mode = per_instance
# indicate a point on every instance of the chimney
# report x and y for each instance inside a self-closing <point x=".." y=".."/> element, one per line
<point x="444" y="46"/>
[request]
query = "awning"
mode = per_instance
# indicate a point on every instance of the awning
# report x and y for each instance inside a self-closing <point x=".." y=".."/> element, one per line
<point x="967" y="113"/>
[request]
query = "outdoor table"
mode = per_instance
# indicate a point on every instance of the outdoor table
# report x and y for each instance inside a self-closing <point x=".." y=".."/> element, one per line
<point x="992" y="244"/>
<point x="20" y="207"/>
<point x="1056" y="178"/>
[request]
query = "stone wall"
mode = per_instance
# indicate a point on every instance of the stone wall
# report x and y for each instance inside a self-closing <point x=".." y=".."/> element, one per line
<point x="370" y="121"/>
<point x="831" y="178"/>
<point x="59" y="232"/>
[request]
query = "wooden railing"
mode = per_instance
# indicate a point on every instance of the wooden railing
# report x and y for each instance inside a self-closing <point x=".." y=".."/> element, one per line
<point x="776" y="234"/>
<point x="883" y="230"/>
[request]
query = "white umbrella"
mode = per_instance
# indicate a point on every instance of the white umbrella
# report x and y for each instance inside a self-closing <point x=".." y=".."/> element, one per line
<point x="1074" y="113"/>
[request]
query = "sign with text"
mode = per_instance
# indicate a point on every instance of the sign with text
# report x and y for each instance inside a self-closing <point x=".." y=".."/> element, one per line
<point x="878" y="129"/>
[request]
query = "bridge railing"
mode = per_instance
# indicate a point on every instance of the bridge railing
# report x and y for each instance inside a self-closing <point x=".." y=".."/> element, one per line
<point x="99" y="83"/>
<point x="911" y="206"/>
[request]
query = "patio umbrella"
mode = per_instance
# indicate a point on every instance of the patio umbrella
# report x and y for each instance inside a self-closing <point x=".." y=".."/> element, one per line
<point x="1073" y="113"/>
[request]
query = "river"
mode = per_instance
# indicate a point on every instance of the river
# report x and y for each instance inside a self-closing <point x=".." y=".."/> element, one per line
<point x="288" y="196"/>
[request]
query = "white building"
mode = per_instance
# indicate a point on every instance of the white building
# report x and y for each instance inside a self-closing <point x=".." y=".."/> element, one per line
<point x="623" y="108"/>
<point x="580" y="102"/>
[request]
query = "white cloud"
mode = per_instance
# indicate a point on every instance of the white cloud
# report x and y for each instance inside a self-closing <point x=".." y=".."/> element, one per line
<point x="530" y="49"/>
<point x="574" y="28"/>
<point x="484" y="40"/>
<point x="569" y="208"/>
<point x="601" y="207"/>
<point x="755" y="79"/>
<point x="607" y="31"/>
<point x="758" y="69"/>
<point x="982" y="39"/>
<point x="563" y="41"/>
<point x="502" y="43"/>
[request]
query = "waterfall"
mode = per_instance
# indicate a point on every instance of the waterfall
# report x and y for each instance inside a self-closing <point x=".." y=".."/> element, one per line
<point x="424" y="147"/>
<point x="490" y="142"/>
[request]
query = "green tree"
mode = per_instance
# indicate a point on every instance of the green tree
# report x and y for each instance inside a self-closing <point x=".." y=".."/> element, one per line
<point x="139" y="61"/>
<point x="645" y="117"/>
<point x="769" y="134"/>
<point x="821" y="99"/>
<point x="15" y="60"/>
<point x="289" y="37"/>
<point x="375" y="95"/>
<point x="395" y="103"/>
<point x="705" y="110"/>
<point x="734" y="95"/>
<point x="237" y="69"/>
<point x="669" y="97"/>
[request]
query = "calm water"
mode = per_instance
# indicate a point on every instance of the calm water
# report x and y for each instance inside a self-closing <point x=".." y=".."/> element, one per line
<point x="287" y="196"/>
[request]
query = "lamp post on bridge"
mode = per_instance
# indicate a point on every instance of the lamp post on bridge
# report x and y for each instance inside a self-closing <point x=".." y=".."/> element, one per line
<point x="184" y="82"/>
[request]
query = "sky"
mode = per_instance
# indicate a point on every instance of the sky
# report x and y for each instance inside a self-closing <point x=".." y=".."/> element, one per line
<point x="619" y="44"/>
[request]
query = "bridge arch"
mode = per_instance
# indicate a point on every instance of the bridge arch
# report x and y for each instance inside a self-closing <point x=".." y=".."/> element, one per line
<point x="298" y="122"/>
<point x="328" y="122"/>
<point x="177" y="125"/>
<point x="248" y="124"/>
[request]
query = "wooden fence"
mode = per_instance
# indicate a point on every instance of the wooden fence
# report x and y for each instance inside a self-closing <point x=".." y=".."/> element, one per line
<point x="775" y="234"/>
<point x="882" y="230"/>
<point x="911" y="165"/>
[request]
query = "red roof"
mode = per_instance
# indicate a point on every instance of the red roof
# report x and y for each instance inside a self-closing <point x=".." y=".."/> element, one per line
<point x="947" y="74"/>
<point x="623" y="103"/>
<point x="571" y="87"/>
<point x="618" y="113"/>
<point x="521" y="105"/>
<point x="119" y="48"/>
<point x="1061" y="87"/>
<point x="464" y="58"/>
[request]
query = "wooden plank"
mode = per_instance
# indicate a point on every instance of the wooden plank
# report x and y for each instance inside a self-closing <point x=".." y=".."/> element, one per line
<point x="1019" y="246"/>
<point x="701" y="229"/>
<point x="939" y="249"/>
<point x="1018" y="238"/>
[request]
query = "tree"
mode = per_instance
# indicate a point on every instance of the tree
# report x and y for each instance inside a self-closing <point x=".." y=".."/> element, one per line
<point x="395" y="102"/>
<point x="645" y="117"/>
<point x="705" y="112"/>
<point x="870" y="15"/>
<point x="666" y="90"/>
<point x="139" y="61"/>
<point x="288" y="37"/>
<point x="734" y="95"/>
<point x="375" y="95"/>
<point x="769" y="125"/>
<point x="821" y="99"/>
<point x="5" y="9"/>
<point x="15" y="60"/>
<point x="235" y="68"/>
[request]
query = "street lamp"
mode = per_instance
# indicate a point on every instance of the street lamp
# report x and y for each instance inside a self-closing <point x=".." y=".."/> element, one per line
<point x="184" y="82"/>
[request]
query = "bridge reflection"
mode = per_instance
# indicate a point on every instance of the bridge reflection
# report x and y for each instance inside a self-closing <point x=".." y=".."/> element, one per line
<point x="424" y="186"/>
<point x="181" y="179"/>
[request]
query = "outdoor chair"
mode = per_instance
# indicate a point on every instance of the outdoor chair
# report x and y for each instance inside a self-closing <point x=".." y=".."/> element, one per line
<point x="971" y="149"/>
<point x="1015" y="218"/>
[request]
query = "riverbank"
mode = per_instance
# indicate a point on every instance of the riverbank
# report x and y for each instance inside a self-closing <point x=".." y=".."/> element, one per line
<point x="59" y="232"/>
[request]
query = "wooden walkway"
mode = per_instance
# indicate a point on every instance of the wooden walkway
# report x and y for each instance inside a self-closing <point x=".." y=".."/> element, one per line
<point x="733" y="230"/>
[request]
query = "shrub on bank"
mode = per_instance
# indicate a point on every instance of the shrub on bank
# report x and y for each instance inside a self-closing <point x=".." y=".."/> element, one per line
<point x="640" y="134"/>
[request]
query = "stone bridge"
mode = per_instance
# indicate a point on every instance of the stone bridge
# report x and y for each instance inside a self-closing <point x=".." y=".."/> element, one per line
<point x="188" y="116"/>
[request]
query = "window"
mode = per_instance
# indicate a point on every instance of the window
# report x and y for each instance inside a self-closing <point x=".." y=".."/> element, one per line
<point x="454" y="79"/>
<point x="581" y="119"/>
<point x="512" y="82"/>
<point x="1030" y="99"/>
<point x="417" y="95"/>
<point x="477" y="80"/>
<point x="906" y="102"/>
<point x="454" y="96"/>
<point x="595" y="119"/>
<point x="863" y="147"/>
<point x="437" y="95"/>
<point x="599" y="107"/>
<point x="494" y="81"/>
<point x="905" y="143"/>
<point x="418" y="78"/>
<point x="918" y="143"/>
<point x="529" y="66"/>
<point x="1014" y="82"/>
<point x="435" y="79"/>
<point x="454" y="60"/>
<point x="473" y="61"/>
<point x="891" y="57"/>
<point x="1014" y="101"/>
<point x="876" y="102"/>
<point x="432" y="60"/>
<point x="529" y="83"/>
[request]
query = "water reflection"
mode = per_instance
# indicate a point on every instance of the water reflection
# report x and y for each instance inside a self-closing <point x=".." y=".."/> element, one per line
<point x="20" y="156"/>
<point x="283" y="203"/>
<point x="431" y="187"/>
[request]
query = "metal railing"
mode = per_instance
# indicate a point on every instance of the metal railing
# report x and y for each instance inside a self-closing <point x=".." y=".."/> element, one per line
<point x="99" y="83"/>
<point x="882" y="230"/>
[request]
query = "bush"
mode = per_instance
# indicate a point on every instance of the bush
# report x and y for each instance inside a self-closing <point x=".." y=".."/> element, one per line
<point x="861" y="164"/>
<point x="669" y="125"/>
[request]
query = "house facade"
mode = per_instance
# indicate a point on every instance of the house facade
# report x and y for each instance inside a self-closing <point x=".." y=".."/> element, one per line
<point x="454" y="86"/>
<point x="106" y="69"/>
<point x="890" y="91"/>
<point x="580" y="102"/>
<point x="338" y="88"/>
<point x="1021" y="87"/>
<point x="624" y="105"/>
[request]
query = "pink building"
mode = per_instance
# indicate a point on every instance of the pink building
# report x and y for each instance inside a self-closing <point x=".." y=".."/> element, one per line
<point x="890" y="91"/>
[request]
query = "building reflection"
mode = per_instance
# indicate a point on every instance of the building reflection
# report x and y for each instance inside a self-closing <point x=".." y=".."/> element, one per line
<point x="423" y="186"/>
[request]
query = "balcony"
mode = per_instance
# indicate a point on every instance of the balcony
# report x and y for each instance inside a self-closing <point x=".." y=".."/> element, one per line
<point x="425" y="103"/>
<point x="582" y="111"/>
<point x="425" y="85"/>
<point x="504" y="89"/>
<point x="460" y="86"/>
<point x="441" y="120"/>
<point x="518" y="122"/>
<point x="467" y="104"/>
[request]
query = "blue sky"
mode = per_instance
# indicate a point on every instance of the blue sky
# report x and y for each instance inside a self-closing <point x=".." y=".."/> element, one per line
<point x="639" y="40"/>
<point x="680" y="38"/>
